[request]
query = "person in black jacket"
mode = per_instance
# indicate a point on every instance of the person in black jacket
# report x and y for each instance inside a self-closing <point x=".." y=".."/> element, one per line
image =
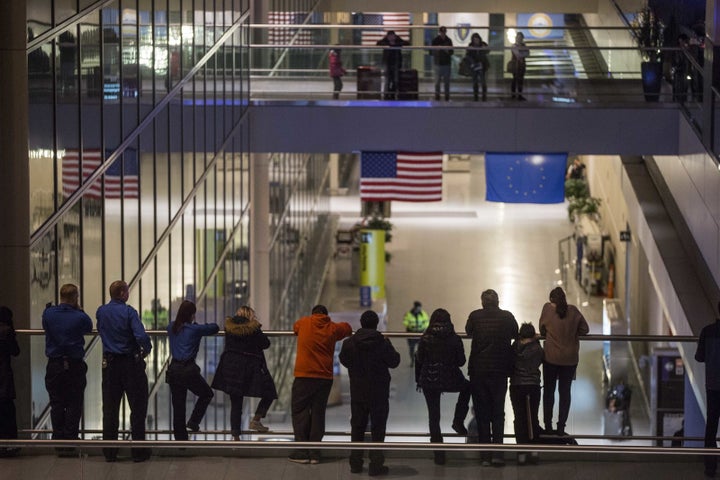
<point x="243" y="372"/>
<point x="708" y="352"/>
<point x="392" y="58"/>
<point x="477" y="51"/>
<point x="443" y="62"/>
<point x="368" y="356"/>
<point x="525" y="388"/>
<point x="438" y="359"/>
<point x="8" y="348"/>
<point x="491" y="363"/>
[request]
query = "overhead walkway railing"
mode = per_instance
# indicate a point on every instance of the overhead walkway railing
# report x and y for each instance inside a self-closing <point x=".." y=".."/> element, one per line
<point x="597" y="415"/>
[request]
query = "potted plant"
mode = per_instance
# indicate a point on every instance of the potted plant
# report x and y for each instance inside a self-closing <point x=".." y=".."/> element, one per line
<point x="583" y="206"/>
<point x="648" y="30"/>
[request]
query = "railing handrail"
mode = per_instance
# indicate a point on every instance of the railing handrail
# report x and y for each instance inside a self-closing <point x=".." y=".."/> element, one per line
<point x="584" y="338"/>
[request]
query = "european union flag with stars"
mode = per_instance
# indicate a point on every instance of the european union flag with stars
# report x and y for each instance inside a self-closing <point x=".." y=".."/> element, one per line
<point x="525" y="177"/>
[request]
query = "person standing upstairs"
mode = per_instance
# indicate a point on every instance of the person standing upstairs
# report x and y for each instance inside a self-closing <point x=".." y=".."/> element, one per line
<point x="443" y="62"/>
<point x="708" y="352"/>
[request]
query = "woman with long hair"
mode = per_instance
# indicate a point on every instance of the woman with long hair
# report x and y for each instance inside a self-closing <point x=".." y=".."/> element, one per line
<point x="561" y="325"/>
<point x="183" y="374"/>
<point x="243" y="372"/>
<point x="438" y="359"/>
<point x="478" y="52"/>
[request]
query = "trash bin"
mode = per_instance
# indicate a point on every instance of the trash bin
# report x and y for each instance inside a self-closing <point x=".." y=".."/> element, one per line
<point x="369" y="83"/>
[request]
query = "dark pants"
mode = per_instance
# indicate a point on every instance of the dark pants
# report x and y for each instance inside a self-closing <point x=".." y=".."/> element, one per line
<point x="412" y="345"/>
<point x="478" y="78"/>
<point x="432" y="400"/>
<point x="8" y="419"/>
<point x="525" y="401"/>
<point x="711" y="428"/>
<point x="309" y="401"/>
<point x="236" y="404"/>
<point x="337" y="87"/>
<point x="488" y="394"/>
<point x="376" y="411"/>
<point x="562" y="376"/>
<point x="65" y="383"/>
<point x="124" y="375"/>
<point x="392" y="76"/>
<point x="518" y="79"/>
<point x="442" y="75"/>
<point x="192" y="380"/>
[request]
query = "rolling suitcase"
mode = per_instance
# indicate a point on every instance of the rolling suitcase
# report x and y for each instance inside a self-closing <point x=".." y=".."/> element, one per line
<point x="408" y="84"/>
<point x="369" y="83"/>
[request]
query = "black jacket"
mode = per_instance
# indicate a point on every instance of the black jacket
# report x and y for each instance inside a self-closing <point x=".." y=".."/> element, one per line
<point x="479" y="54"/>
<point x="438" y="359"/>
<point x="368" y="356"/>
<point x="442" y="57"/>
<point x="528" y="358"/>
<point x="492" y="331"/>
<point x="8" y="347"/>
<point x="242" y="369"/>
<point x="392" y="57"/>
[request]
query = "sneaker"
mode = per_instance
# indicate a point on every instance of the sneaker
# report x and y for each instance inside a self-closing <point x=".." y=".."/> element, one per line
<point x="298" y="457"/>
<point x="314" y="461"/>
<point x="459" y="428"/>
<point x="375" y="471"/>
<point x="193" y="427"/>
<point x="258" y="426"/>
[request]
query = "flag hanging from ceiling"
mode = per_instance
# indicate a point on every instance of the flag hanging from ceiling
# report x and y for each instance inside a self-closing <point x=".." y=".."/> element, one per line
<point x="525" y="177"/>
<point x="402" y="176"/>
<point x="121" y="178"/>
<point x="283" y="36"/>
<point x="397" y="21"/>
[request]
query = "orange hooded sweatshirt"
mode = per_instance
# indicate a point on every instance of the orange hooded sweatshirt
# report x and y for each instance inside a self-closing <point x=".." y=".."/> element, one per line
<point x="317" y="335"/>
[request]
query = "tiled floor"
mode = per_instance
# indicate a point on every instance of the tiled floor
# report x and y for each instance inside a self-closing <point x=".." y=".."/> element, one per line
<point x="443" y="254"/>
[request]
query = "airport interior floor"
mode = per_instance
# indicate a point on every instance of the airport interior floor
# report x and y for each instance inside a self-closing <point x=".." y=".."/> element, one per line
<point x="442" y="254"/>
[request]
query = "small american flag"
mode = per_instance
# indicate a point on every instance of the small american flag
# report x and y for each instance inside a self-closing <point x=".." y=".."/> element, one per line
<point x="119" y="182"/>
<point x="402" y="176"/>
<point x="398" y="22"/>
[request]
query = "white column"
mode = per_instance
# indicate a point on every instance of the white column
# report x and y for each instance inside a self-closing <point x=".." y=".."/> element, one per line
<point x="260" y="238"/>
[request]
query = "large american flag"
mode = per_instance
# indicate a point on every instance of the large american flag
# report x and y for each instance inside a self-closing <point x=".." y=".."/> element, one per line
<point x="119" y="182"/>
<point x="402" y="176"/>
<point x="282" y="36"/>
<point x="398" y="22"/>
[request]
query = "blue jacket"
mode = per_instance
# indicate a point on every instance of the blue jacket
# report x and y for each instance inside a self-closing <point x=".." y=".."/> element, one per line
<point x="64" y="327"/>
<point x="708" y="351"/>
<point x="185" y="344"/>
<point x="121" y="330"/>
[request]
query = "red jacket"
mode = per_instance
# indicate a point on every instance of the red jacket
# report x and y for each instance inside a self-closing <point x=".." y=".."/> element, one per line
<point x="336" y="68"/>
<point x="317" y="335"/>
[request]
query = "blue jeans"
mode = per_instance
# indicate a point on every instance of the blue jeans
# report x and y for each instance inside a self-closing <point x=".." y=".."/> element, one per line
<point x="442" y="72"/>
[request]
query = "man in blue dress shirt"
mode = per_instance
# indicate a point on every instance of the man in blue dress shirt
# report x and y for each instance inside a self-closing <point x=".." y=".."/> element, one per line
<point x="65" y="326"/>
<point x="125" y="345"/>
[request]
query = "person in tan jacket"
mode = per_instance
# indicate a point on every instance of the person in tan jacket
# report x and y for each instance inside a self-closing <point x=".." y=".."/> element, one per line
<point x="317" y="335"/>
<point x="561" y="325"/>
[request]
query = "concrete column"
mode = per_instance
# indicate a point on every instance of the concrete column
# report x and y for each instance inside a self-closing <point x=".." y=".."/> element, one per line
<point x="15" y="190"/>
<point x="334" y="174"/>
<point x="260" y="237"/>
<point x="417" y="39"/>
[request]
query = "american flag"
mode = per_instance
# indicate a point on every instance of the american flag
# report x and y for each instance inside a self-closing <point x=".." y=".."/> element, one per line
<point x="402" y="176"/>
<point x="118" y="183"/>
<point x="283" y="36"/>
<point x="390" y="21"/>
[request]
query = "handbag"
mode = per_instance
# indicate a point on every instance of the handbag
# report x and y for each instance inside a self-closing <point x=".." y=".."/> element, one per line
<point x="511" y="66"/>
<point x="465" y="67"/>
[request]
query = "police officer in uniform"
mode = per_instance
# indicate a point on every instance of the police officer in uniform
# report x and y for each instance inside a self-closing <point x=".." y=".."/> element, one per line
<point x="125" y="345"/>
<point x="65" y="326"/>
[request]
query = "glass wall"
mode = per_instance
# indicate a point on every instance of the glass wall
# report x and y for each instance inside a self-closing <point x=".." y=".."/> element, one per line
<point x="138" y="158"/>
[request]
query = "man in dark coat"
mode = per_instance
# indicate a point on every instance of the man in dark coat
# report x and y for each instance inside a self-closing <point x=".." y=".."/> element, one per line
<point x="392" y="58"/>
<point x="708" y="352"/>
<point x="491" y="363"/>
<point x="8" y="348"/>
<point x="368" y="357"/>
<point x="443" y="62"/>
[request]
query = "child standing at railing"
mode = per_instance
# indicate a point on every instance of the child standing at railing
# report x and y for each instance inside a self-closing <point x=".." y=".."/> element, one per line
<point x="336" y="72"/>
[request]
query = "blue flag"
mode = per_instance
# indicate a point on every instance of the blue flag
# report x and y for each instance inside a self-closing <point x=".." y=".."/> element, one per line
<point x="525" y="177"/>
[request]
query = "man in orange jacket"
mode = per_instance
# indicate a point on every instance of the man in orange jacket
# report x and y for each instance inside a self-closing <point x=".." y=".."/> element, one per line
<point x="317" y="336"/>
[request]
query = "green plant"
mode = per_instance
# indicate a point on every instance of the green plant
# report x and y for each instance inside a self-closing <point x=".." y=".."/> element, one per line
<point x="379" y="223"/>
<point x="648" y="32"/>
<point x="583" y="205"/>
<point x="576" y="188"/>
